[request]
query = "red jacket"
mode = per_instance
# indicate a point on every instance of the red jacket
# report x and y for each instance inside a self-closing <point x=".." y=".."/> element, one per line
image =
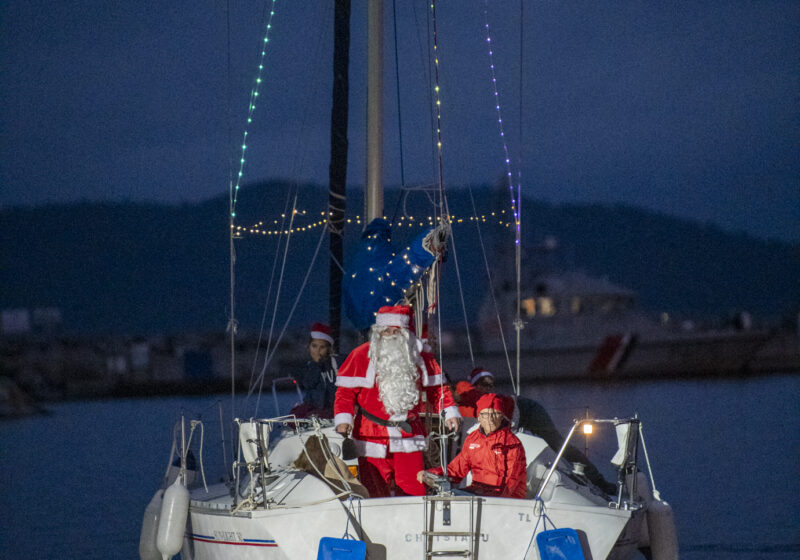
<point x="467" y="398"/>
<point x="356" y="386"/>
<point x="497" y="462"/>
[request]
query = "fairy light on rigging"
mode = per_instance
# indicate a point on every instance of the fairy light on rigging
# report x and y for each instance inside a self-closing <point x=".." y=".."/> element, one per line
<point x="254" y="93"/>
<point x="507" y="158"/>
<point x="259" y="228"/>
<point x="438" y="99"/>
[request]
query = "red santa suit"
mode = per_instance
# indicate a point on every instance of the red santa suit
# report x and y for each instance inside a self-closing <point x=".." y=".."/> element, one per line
<point x="387" y="452"/>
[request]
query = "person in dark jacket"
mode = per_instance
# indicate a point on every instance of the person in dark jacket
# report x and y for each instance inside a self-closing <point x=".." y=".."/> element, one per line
<point x="317" y="379"/>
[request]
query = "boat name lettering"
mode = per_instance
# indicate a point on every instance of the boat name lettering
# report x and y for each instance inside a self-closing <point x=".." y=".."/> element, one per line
<point x="228" y="536"/>
<point x="418" y="537"/>
<point x="525" y="517"/>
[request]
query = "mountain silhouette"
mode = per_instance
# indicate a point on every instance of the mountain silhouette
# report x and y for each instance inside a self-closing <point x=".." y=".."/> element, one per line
<point x="136" y="268"/>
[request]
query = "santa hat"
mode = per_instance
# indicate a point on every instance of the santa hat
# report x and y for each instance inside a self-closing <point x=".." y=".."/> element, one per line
<point x="394" y="316"/>
<point x="321" y="332"/>
<point x="477" y="373"/>
<point x="498" y="402"/>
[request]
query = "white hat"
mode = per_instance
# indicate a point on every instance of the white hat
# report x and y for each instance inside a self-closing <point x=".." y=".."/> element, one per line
<point x="394" y="316"/>
<point x="477" y="373"/>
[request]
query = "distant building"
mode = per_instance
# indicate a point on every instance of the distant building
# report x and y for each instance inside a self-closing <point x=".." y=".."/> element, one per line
<point x="24" y="321"/>
<point x="15" y="321"/>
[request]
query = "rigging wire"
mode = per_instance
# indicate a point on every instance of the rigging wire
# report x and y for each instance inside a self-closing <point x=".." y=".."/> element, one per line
<point x="233" y="188"/>
<point x="268" y="359"/>
<point x="516" y="198"/>
<point x="231" y="248"/>
<point x="445" y="216"/>
<point x="438" y="101"/>
<point x="266" y="307"/>
<point x="490" y="290"/>
<point x="463" y="303"/>
<point x="290" y="210"/>
<point x="401" y="199"/>
<point x="397" y="83"/>
<point x="251" y="108"/>
<point x="291" y="195"/>
<point x="275" y="308"/>
<point x="519" y="324"/>
<point x="426" y="56"/>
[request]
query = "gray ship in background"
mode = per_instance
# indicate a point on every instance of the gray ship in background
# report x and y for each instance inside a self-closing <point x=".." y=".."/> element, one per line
<point x="575" y="326"/>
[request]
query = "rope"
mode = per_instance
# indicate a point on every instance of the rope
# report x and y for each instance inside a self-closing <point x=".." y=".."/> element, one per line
<point x="338" y="264"/>
<point x="542" y="516"/>
<point x="348" y="510"/>
<point x="304" y="504"/>
<point x="248" y="501"/>
<point x="328" y="458"/>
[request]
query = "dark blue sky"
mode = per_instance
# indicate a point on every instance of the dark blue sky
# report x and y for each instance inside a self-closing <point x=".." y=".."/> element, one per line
<point x="688" y="108"/>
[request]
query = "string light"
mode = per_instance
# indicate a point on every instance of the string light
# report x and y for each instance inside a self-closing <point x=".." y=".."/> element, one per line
<point x="437" y="92"/>
<point x="515" y="197"/>
<point x="259" y="227"/>
<point x="234" y="195"/>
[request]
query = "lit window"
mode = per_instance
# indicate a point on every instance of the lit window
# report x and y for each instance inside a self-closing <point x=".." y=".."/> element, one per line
<point x="546" y="306"/>
<point x="529" y="305"/>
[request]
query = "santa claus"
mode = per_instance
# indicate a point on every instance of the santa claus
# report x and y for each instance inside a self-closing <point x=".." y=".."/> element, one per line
<point x="390" y="378"/>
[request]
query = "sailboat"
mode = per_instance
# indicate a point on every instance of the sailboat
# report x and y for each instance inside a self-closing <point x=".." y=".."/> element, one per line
<point x="292" y="493"/>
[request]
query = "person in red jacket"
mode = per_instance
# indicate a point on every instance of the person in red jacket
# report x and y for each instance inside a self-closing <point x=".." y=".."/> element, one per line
<point x="387" y="378"/>
<point x="493" y="453"/>
<point x="480" y="382"/>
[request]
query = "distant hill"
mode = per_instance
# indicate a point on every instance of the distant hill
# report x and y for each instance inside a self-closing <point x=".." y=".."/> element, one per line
<point x="130" y="268"/>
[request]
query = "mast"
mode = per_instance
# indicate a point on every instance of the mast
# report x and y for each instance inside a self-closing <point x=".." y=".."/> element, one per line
<point x="337" y="170"/>
<point x="373" y="199"/>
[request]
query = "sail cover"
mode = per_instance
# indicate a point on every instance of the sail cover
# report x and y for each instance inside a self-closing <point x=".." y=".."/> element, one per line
<point x="379" y="275"/>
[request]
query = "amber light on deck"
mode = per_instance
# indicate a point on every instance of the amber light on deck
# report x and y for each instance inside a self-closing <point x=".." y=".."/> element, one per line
<point x="587" y="428"/>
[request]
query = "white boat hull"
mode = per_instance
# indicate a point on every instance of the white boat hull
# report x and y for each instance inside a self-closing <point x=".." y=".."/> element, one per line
<point x="393" y="528"/>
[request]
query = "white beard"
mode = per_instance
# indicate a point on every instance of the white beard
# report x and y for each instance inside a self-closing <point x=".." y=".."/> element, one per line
<point x="395" y="361"/>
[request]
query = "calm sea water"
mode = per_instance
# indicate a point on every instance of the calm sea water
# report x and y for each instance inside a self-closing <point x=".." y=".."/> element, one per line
<point x="725" y="455"/>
